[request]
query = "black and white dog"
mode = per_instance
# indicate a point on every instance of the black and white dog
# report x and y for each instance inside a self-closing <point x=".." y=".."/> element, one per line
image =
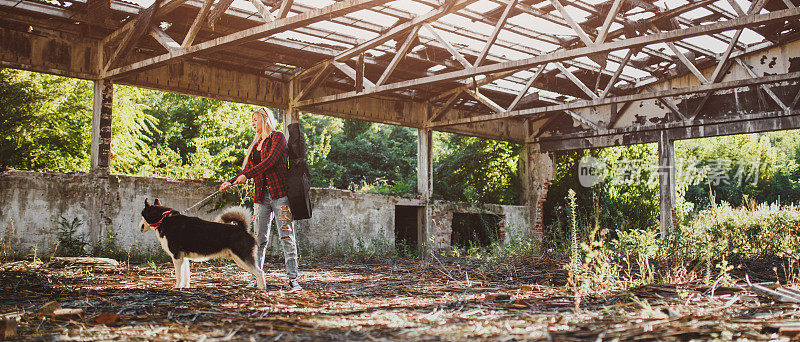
<point x="186" y="238"/>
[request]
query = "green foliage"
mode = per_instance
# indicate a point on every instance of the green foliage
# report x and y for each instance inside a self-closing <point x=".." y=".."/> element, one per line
<point x="45" y="122"/>
<point x="360" y="156"/>
<point x="475" y="170"/>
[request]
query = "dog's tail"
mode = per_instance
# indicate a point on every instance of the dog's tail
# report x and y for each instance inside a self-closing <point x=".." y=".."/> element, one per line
<point x="236" y="215"/>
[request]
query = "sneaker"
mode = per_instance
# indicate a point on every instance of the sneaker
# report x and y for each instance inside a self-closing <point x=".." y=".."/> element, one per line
<point x="293" y="286"/>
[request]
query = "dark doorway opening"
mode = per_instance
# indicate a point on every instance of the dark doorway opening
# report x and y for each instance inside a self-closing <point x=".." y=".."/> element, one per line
<point x="475" y="230"/>
<point x="406" y="227"/>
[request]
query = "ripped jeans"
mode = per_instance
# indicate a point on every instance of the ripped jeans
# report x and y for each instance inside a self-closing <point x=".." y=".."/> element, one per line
<point x="265" y="212"/>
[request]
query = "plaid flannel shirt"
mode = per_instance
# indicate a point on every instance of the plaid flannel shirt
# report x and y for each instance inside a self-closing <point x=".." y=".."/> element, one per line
<point x="272" y="171"/>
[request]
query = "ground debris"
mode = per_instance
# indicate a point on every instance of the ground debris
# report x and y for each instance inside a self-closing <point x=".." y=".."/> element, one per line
<point x="447" y="299"/>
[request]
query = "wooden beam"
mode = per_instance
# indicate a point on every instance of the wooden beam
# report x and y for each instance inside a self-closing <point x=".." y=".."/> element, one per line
<point x="261" y="31"/>
<point x="612" y="13"/>
<point x="401" y="52"/>
<point x="497" y="27"/>
<point x="580" y="118"/>
<point x="432" y="15"/>
<point x="561" y="55"/>
<point x="485" y="100"/>
<point x="524" y="90"/>
<point x="353" y="74"/>
<point x="727" y="66"/>
<point x="617" y="113"/>
<point x="286" y="5"/>
<point x="318" y="78"/>
<point x="616" y="74"/>
<point x="457" y="55"/>
<point x="667" y="102"/>
<point x="140" y="26"/>
<point x="198" y="21"/>
<point x="164" y="39"/>
<point x="572" y="23"/>
<point x="472" y="84"/>
<point x="218" y="10"/>
<point x="263" y="11"/>
<point x="689" y="65"/>
<point x="575" y="80"/>
<point x="163" y="10"/>
<point x="447" y="105"/>
<point x="764" y="87"/>
<point x="625" y="98"/>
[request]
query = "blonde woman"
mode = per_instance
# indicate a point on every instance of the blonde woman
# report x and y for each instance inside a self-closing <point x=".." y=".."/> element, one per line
<point x="266" y="163"/>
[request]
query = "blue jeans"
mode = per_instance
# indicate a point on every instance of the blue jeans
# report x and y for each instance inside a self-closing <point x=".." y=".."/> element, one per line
<point x="264" y="213"/>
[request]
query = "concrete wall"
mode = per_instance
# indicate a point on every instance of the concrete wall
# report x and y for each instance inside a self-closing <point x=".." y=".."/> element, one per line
<point x="31" y="204"/>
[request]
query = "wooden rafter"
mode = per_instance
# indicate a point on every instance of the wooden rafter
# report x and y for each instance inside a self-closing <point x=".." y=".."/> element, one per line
<point x="395" y="30"/>
<point x="401" y="52"/>
<point x="527" y="86"/>
<point x="198" y="21"/>
<point x="624" y="98"/>
<point x="497" y="28"/>
<point x="268" y="29"/>
<point x="561" y="55"/>
<point x="457" y="55"/>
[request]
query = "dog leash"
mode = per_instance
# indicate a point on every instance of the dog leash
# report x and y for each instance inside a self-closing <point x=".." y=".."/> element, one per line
<point x="201" y="201"/>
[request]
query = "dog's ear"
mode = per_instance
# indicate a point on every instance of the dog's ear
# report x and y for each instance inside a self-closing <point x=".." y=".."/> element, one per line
<point x="157" y="202"/>
<point x="146" y="203"/>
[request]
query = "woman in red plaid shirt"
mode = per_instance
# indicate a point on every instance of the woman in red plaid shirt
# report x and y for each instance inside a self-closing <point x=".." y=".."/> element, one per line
<point x="266" y="163"/>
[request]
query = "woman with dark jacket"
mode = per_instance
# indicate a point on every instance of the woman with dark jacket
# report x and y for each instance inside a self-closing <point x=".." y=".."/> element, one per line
<point x="266" y="163"/>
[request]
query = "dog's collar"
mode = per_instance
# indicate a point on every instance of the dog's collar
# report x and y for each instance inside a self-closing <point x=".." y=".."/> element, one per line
<point x="158" y="224"/>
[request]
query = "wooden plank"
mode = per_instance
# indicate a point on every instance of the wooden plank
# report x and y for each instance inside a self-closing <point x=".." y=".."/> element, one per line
<point x="561" y="55"/>
<point x="625" y="98"/>
<point x="689" y="65"/>
<point x="261" y="31"/>
<point x="198" y="21"/>
<point x="497" y="27"/>
<point x="401" y="52"/>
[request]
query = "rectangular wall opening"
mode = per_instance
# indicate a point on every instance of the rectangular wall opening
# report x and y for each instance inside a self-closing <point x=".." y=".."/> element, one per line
<point x="471" y="230"/>
<point x="406" y="226"/>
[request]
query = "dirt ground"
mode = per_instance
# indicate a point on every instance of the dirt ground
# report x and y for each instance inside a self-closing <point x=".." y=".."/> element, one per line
<point x="390" y="300"/>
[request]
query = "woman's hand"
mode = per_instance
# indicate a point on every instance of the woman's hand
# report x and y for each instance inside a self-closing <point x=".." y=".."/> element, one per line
<point x="240" y="180"/>
<point x="225" y="186"/>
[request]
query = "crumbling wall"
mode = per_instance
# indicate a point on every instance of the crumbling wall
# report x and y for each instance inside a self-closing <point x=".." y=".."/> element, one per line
<point x="31" y="204"/>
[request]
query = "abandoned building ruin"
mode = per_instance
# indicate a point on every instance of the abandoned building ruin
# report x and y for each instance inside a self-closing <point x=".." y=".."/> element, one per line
<point x="553" y="75"/>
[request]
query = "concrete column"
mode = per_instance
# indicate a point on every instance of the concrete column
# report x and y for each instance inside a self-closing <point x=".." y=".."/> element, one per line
<point x="101" y="125"/>
<point x="425" y="188"/>
<point x="538" y="172"/>
<point x="666" y="180"/>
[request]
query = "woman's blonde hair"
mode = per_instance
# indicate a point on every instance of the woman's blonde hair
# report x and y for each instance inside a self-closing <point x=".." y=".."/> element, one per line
<point x="267" y="118"/>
